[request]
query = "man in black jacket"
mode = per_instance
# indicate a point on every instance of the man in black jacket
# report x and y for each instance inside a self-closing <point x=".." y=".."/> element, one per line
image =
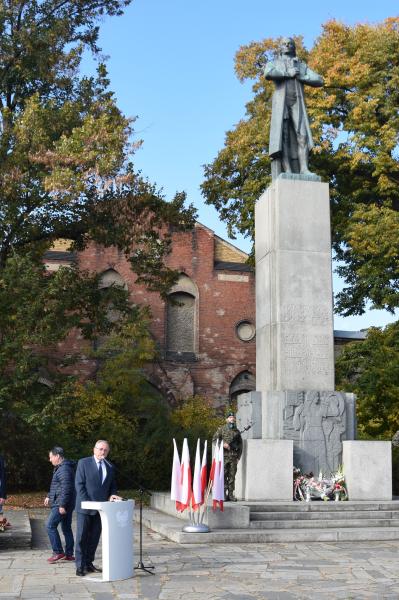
<point x="95" y="480"/>
<point x="61" y="499"/>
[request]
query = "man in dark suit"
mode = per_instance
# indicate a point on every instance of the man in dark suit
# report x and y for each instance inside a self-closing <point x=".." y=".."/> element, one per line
<point x="95" y="480"/>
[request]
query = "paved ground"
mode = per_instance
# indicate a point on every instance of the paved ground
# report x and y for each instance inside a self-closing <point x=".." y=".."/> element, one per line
<point x="363" y="570"/>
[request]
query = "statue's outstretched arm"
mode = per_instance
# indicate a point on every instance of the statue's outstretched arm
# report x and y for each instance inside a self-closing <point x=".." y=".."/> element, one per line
<point x="310" y="77"/>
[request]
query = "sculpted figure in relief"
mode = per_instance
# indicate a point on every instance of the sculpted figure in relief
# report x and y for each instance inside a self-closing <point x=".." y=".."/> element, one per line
<point x="319" y="419"/>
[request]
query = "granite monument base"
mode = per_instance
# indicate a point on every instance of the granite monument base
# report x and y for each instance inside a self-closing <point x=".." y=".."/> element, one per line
<point x="265" y="470"/>
<point x="368" y="470"/>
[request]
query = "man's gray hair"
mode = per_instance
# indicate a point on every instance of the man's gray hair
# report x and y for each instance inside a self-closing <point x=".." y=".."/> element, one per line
<point x="101" y="442"/>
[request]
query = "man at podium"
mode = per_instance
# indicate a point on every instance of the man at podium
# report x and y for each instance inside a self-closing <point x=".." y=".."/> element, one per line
<point x="95" y="480"/>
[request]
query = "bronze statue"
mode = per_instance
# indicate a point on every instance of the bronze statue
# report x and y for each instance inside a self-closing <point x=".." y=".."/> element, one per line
<point x="290" y="135"/>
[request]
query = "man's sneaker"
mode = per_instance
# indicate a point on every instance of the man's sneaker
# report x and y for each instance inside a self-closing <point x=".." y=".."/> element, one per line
<point x="71" y="558"/>
<point x="55" y="558"/>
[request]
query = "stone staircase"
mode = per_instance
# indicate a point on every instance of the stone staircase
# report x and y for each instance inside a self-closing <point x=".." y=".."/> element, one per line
<point x="285" y="522"/>
<point x="317" y="514"/>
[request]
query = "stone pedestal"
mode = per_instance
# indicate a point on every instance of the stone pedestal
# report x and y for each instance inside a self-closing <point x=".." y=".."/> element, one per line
<point x="294" y="316"/>
<point x="368" y="470"/>
<point x="300" y="412"/>
<point x="265" y="470"/>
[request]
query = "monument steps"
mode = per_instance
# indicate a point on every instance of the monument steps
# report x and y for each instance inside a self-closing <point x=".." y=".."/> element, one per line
<point x="316" y="506"/>
<point x="324" y="515"/>
<point x="322" y="523"/>
<point x="171" y="527"/>
<point x="277" y="521"/>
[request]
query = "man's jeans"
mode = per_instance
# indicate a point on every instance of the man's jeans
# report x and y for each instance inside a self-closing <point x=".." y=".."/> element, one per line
<point x="55" y="518"/>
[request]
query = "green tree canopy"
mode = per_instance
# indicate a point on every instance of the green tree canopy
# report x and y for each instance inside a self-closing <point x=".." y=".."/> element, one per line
<point x="355" y="124"/>
<point x="66" y="171"/>
<point x="371" y="369"/>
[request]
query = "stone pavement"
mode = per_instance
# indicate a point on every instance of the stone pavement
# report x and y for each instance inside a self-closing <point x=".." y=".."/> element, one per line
<point x="362" y="570"/>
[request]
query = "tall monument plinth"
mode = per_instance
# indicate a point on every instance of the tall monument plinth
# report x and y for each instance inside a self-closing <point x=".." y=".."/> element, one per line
<point x="294" y="311"/>
<point x="302" y="415"/>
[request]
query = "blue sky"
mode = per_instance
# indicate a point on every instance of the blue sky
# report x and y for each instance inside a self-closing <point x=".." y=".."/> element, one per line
<point x="171" y="63"/>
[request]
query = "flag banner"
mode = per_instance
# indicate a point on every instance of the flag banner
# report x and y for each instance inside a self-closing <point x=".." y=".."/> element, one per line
<point x="185" y="479"/>
<point x="197" y="497"/>
<point x="175" y="486"/>
<point x="218" y="477"/>
<point x="204" y="471"/>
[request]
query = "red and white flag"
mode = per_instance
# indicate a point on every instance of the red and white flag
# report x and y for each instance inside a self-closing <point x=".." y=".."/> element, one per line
<point x="218" y="477"/>
<point x="198" y="497"/>
<point x="204" y="470"/>
<point x="175" y="485"/>
<point x="185" y="479"/>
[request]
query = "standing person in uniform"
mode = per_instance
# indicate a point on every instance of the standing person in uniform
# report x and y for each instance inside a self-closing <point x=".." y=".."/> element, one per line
<point x="61" y="499"/>
<point x="95" y="480"/>
<point x="232" y="444"/>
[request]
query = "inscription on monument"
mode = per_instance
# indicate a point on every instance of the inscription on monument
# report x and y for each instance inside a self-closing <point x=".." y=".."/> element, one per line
<point x="307" y="353"/>
<point x="305" y="313"/>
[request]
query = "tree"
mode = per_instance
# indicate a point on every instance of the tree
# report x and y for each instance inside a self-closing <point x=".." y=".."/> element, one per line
<point x="355" y="124"/>
<point x="371" y="369"/>
<point x="66" y="172"/>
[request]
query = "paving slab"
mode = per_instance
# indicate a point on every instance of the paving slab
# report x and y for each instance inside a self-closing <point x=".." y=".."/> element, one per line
<point x="261" y="571"/>
<point x="19" y="534"/>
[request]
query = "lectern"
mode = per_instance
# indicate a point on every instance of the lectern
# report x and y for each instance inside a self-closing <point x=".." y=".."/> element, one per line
<point x="117" y="537"/>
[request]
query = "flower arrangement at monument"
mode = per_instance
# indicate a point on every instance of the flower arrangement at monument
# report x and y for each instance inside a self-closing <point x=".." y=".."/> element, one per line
<point x="307" y="487"/>
<point x="4" y="524"/>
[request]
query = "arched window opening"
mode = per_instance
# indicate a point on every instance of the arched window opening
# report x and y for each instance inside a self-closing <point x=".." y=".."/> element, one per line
<point x="242" y="383"/>
<point x="180" y="329"/>
<point x="111" y="277"/>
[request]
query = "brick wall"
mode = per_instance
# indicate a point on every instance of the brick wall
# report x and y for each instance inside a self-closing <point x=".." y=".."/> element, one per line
<point x="225" y="295"/>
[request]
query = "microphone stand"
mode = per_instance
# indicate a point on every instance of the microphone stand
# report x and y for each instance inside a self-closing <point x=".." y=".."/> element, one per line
<point x="140" y="565"/>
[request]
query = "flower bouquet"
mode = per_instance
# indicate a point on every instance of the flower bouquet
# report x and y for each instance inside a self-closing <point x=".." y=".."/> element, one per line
<point x="4" y="524"/>
<point x="307" y="487"/>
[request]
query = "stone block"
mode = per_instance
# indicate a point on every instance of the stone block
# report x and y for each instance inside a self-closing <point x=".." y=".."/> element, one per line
<point x="294" y="312"/>
<point x="265" y="470"/>
<point x="234" y="516"/>
<point x="368" y="469"/>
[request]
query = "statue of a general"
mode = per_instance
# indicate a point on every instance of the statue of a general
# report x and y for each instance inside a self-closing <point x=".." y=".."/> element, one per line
<point x="290" y="135"/>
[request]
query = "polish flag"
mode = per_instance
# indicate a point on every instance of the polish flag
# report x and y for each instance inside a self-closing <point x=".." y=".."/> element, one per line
<point x="175" y="486"/>
<point x="197" y="497"/>
<point x="213" y="465"/>
<point x="204" y="470"/>
<point x="185" y="479"/>
<point x="218" y="478"/>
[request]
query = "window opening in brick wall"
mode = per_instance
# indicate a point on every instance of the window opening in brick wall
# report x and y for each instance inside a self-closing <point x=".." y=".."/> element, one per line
<point x="242" y="383"/>
<point x="180" y="323"/>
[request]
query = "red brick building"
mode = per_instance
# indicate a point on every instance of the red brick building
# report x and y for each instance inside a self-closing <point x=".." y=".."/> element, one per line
<point x="206" y="329"/>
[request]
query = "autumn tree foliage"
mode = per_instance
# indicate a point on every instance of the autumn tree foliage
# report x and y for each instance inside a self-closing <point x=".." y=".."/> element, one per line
<point x="355" y="124"/>
<point x="66" y="171"/>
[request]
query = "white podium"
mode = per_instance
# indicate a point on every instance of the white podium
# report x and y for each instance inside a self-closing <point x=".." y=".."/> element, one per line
<point x="117" y="537"/>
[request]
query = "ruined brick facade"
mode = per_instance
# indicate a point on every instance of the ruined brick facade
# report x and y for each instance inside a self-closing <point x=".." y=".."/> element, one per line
<point x="198" y="333"/>
<point x="206" y="334"/>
